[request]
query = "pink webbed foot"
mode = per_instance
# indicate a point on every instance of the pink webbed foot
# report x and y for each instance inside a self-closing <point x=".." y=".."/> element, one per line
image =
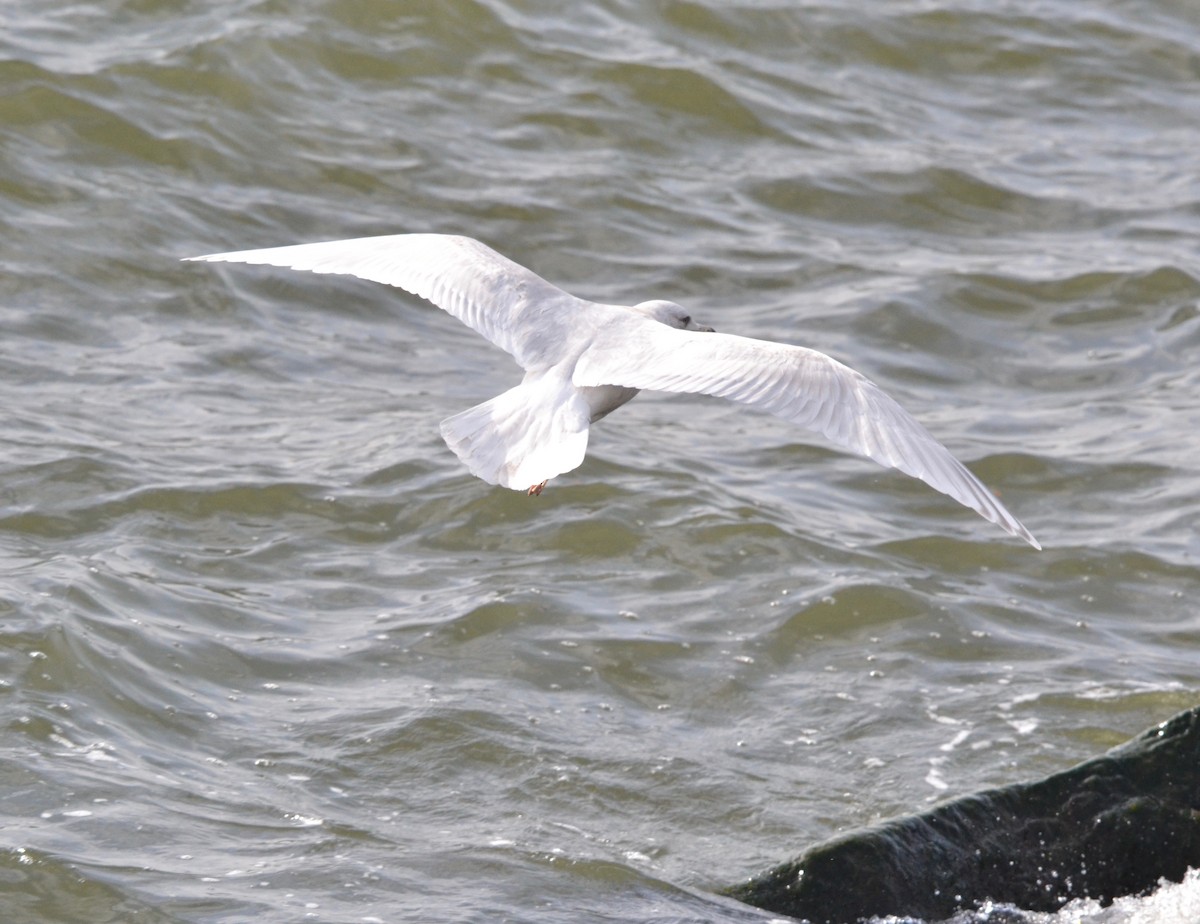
<point x="537" y="489"/>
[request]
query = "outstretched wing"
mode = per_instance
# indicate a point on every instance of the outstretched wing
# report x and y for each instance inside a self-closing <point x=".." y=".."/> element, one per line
<point x="513" y="307"/>
<point x="797" y="384"/>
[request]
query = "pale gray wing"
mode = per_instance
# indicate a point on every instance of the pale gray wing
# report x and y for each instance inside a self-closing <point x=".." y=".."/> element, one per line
<point x="797" y="384"/>
<point x="513" y="307"/>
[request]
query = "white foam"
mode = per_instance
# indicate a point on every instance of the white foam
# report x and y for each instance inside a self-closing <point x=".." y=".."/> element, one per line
<point x="1170" y="903"/>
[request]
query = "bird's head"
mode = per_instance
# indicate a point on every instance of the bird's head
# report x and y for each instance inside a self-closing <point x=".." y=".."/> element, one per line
<point x="670" y="314"/>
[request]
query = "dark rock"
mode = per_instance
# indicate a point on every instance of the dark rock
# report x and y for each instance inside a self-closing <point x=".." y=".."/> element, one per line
<point x="1109" y="827"/>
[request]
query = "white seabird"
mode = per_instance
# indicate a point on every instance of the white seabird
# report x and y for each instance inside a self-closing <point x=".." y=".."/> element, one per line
<point x="583" y="360"/>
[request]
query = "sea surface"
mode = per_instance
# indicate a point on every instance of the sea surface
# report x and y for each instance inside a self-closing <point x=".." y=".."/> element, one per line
<point x="269" y="653"/>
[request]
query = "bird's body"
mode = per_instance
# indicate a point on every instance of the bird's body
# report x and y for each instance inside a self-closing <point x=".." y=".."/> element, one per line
<point x="585" y="359"/>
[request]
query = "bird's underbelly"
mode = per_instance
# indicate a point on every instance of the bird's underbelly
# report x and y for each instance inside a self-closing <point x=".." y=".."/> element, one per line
<point x="604" y="399"/>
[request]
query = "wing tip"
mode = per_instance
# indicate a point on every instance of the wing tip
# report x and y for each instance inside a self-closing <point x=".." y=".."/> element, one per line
<point x="997" y="513"/>
<point x="1025" y="534"/>
<point x="209" y="258"/>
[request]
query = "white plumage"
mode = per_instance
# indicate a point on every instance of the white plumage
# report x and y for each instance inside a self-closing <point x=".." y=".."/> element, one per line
<point x="584" y="359"/>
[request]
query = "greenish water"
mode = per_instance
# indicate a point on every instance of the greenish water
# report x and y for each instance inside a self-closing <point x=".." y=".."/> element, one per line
<point x="268" y="652"/>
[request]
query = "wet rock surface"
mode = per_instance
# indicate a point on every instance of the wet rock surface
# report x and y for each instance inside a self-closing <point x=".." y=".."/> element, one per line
<point x="1109" y="827"/>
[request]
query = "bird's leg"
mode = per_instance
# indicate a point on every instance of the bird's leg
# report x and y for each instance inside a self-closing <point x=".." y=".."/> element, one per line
<point x="537" y="489"/>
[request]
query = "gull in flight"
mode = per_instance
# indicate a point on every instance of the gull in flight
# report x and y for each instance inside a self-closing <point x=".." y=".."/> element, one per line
<point x="583" y="360"/>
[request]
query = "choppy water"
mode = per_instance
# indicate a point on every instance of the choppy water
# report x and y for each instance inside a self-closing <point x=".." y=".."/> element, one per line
<point x="268" y="652"/>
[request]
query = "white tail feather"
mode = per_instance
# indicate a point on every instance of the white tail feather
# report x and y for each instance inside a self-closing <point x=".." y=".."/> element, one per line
<point x="523" y="437"/>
